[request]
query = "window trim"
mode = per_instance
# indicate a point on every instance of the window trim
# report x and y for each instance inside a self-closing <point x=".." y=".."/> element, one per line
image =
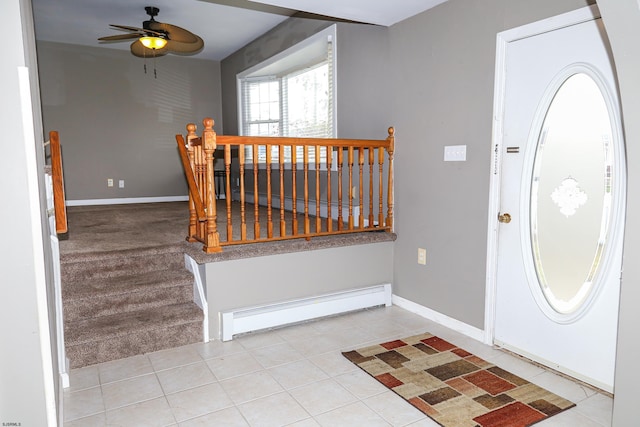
<point x="273" y="67"/>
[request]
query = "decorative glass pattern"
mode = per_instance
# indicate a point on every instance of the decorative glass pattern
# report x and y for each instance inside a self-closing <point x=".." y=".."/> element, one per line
<point x="569" y="196"/>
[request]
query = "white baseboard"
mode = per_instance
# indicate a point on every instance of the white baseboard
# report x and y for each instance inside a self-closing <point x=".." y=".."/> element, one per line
<point x="442" y="319"/>
<point x="268" y="316"/>
<point x="127" y="200"/>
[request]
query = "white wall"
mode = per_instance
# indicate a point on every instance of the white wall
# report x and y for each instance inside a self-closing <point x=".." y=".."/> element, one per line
<point x="622" y="22"/>
<point x="28" y="392"/>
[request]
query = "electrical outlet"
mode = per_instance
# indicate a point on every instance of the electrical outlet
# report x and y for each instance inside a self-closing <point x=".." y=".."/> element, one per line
<point x="422" y="256"/>
<point x="121" y="183"/>
<point x="109" y="182"/>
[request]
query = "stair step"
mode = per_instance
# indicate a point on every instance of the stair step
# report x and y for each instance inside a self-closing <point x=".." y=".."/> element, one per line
<point x="111" y="295"/>
<point x="121" y="263"/>
<point x="117" y="336"/>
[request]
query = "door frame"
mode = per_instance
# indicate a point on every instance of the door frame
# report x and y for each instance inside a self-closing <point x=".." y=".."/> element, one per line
<point x="575" y="17"/>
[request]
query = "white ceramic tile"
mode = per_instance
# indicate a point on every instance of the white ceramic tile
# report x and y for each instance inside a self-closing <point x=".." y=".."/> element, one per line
<point x="172" y="358"/>
<point x="82" y="403"/>
<point x="198" y="401"/>
<point x="233" y="365"/>
<point x="597" y="407"/>
<point x="185" y="377"/>
<point x="277" y="354"/>
<point x="305" y="359"/>
<point x="259" y="339"/>
<point x="570" y="418"/>
<point x="356" y="414"/>
<point x="124" y="368"/>
<point x="360" y="384"/>
<point x="218" y="348"/>
<point x="333" y="363"/>
<point x="229" y="417"/>
<point x="273" y="411"/>
<point x="323" y="396"/>
<point x="249" y="387"/>
<point x="98" y="420"/>
<point x="518" y="366"/>
<point x="320" y="344"/>
<point x="297" y="374"/>
<point x="82" y="378"/>
<point x="309" y="422"/>
<point x="426" y="422"/>
<point x="394" y="409"/>
<point x="151" y="413"/>
<point x="300" y="331"/>
<point x="133" y="390"/>
<point x="564" y="387"/>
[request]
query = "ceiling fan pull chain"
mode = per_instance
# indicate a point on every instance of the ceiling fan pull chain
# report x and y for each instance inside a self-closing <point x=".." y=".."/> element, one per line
<point x="155" y="75"/>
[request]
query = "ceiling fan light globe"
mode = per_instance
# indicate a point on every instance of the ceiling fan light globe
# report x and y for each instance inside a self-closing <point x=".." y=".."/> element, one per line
<point x="153" y="42"/>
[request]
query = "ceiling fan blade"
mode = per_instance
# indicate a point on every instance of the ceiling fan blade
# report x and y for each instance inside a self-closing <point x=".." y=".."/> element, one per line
<point x="178" y="47"/>
<point x="174" y="32"/>
<point x="119" y="37"/>
<point x="138" y="30"/>
<point x="138" y="49"/>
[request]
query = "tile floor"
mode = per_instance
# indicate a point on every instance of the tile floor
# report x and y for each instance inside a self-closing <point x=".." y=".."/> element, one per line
<point x="293" y="376"/>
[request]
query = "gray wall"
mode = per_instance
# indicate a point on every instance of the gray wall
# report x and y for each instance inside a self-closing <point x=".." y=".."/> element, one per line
<point x="117" y="122"/>
<point x="622" y="22"/>
<point x="278" y="278"/>
<point x="28" y="374"/>
<point x="442" y="94"/>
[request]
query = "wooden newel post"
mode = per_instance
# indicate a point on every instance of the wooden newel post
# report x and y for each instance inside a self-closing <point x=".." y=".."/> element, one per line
<point x="193" y="217"/>
<point x="391" y="139"/>
<point x="212" y="239"/>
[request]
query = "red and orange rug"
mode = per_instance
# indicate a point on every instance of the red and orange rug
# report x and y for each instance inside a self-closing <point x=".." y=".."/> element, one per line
<point x="454" y="387"/>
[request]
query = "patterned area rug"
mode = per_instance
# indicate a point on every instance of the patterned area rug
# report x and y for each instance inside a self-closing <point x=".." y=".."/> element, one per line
<point x="454" y="387"/>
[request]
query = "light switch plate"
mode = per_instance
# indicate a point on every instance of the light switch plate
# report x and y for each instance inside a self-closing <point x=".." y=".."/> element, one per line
<point x="455" y="153"/>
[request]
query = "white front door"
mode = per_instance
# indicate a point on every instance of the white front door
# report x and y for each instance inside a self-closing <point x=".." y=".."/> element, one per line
<point x="561" y="203"/>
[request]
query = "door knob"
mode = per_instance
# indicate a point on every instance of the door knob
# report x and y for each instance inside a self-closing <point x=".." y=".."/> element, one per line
<point x="504" y="218"/>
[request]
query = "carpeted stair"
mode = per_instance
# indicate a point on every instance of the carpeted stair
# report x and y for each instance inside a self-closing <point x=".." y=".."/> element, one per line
<point x="123" y="303"/>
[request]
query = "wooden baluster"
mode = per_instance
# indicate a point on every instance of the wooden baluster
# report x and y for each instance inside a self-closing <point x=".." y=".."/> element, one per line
<point x="329" y="161"/>
<point x="193" y="218"/>
<point x="391" y="139"/>
<point x="269" y="213"/>
<point x="307" y="228"/>
<point x="381" y="187"/>
<point x="294" y="190"/>
<point x="340" y="184"/>
<point x="318" y="219"/>
<point x="361" y="187"/>
<point x="227" y="180"/>
<point x="243" y="219"/>
<point x="350" y="164"/>
<point x="256" y="195"/>
<point x="283" y="224"/>
<point x="371" y="151"/>
<point x="212" y="241"/>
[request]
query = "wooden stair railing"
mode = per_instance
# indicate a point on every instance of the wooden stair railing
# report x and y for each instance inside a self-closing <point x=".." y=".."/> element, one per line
<point x="57" y="179"/>
<point x="362" y="158"/>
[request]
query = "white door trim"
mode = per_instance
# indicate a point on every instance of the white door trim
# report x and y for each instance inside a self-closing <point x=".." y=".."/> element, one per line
<point x="503" y="39"/>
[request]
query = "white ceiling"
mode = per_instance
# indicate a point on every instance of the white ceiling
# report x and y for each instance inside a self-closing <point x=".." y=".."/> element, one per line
<point x="224" y="25"/>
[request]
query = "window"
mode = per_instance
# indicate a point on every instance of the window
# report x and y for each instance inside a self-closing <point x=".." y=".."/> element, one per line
<point x="291" y="94"/>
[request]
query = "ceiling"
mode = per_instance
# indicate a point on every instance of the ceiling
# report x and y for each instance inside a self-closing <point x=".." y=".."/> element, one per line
<point x="224" y="25"/>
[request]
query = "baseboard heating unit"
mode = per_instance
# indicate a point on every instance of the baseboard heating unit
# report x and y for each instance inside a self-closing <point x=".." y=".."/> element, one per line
<point x="269" y="316"/>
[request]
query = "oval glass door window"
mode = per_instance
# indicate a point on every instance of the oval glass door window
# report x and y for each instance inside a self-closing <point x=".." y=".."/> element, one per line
<point x="570" y="207"/>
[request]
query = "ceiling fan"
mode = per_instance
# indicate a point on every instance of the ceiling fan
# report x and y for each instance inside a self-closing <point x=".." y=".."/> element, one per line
<point x="157" y="38"/>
